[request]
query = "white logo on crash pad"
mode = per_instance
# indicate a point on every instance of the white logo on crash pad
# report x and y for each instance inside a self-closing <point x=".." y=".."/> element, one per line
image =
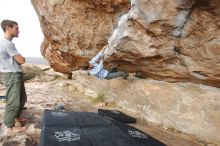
<point x="116" y="112"/>
<point x="137" y="134"/>
<point x="66" y="136"/>
<point x="59" y="114"/>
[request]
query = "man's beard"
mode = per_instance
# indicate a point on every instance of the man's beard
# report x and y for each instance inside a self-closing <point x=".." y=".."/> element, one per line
<point x="15" y="35"/>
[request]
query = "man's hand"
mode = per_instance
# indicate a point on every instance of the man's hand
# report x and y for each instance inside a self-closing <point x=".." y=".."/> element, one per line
<point x="19" y="59"/>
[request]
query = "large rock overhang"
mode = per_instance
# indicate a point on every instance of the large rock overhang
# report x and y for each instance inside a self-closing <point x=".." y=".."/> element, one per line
<point x="176" y="40"/>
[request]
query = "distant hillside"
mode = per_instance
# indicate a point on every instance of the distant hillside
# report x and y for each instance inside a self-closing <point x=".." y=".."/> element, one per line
<point x="36" y="60"/>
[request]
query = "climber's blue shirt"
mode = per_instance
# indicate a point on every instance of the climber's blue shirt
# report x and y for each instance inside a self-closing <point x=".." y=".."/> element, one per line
<point x="97" y="69"/>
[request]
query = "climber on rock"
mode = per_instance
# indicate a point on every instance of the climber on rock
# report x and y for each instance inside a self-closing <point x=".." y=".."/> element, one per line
<point x="96" y="69"/>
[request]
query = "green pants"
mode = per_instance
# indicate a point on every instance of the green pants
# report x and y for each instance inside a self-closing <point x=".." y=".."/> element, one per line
<point x="116" y="74"/>
<point x="15" y="96"/>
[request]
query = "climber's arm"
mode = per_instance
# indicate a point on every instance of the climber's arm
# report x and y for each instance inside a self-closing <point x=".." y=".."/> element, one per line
<point x="97" y="57"/>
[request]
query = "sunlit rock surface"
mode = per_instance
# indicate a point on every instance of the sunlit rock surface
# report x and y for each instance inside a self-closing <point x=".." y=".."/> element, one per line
<point x="75" y="29"/>
<point x="190" y="108"/>
<point x="175" y="40"/>
<point x="47" y="91"/>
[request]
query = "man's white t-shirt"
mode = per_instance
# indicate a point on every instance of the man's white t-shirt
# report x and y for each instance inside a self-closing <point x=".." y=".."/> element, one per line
<point x="7" y="62"/>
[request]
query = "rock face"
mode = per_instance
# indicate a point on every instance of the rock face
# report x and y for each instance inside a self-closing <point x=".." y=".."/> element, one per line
<point x="188" y="107"/>
<point x="75" y="29"/>
<point x="175" y="40"/>
<point x="50" y="94"/>
<point x="172" y="40"/>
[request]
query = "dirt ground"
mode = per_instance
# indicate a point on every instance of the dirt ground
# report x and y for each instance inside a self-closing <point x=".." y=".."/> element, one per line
<point x="48" y="94"/>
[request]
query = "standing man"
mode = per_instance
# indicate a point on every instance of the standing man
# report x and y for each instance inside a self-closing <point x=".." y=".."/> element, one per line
<point x="10" y="66"/>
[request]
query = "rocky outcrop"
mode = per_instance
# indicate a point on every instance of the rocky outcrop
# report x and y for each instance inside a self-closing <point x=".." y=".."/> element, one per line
<point x="187" y="107"/>
<point x="74" y="30"/>
<point x="51" y="94"/>
<point x="176" y="40"/>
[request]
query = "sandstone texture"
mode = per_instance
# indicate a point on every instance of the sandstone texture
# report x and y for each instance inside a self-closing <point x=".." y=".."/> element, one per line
<point x="46" y="91"/>
<point x="176" y="40"/>
<point x="75" y="29"/>
<point x="187" y="107"/>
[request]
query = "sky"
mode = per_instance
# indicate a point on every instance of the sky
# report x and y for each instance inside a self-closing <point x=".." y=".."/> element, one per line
<point x="30" y="36"/>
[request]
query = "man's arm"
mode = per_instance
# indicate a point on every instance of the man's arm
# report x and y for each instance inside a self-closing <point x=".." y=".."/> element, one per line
<point x="96" y="69"/>
<point x="19" y="59"/>
<point x="96" y="58"/>
<point x="12" y="51"/>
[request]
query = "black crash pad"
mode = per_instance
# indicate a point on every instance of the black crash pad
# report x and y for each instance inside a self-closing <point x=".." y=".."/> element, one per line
<point x="71" y="119"/>
<point x="61" y="128"/>
<point x="116" y="115"/>
<point x="137" y="135"/>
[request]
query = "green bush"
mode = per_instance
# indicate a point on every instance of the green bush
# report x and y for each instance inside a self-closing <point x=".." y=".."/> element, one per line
<point x="56" y="77"/>
<point x="100" y="98"/>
